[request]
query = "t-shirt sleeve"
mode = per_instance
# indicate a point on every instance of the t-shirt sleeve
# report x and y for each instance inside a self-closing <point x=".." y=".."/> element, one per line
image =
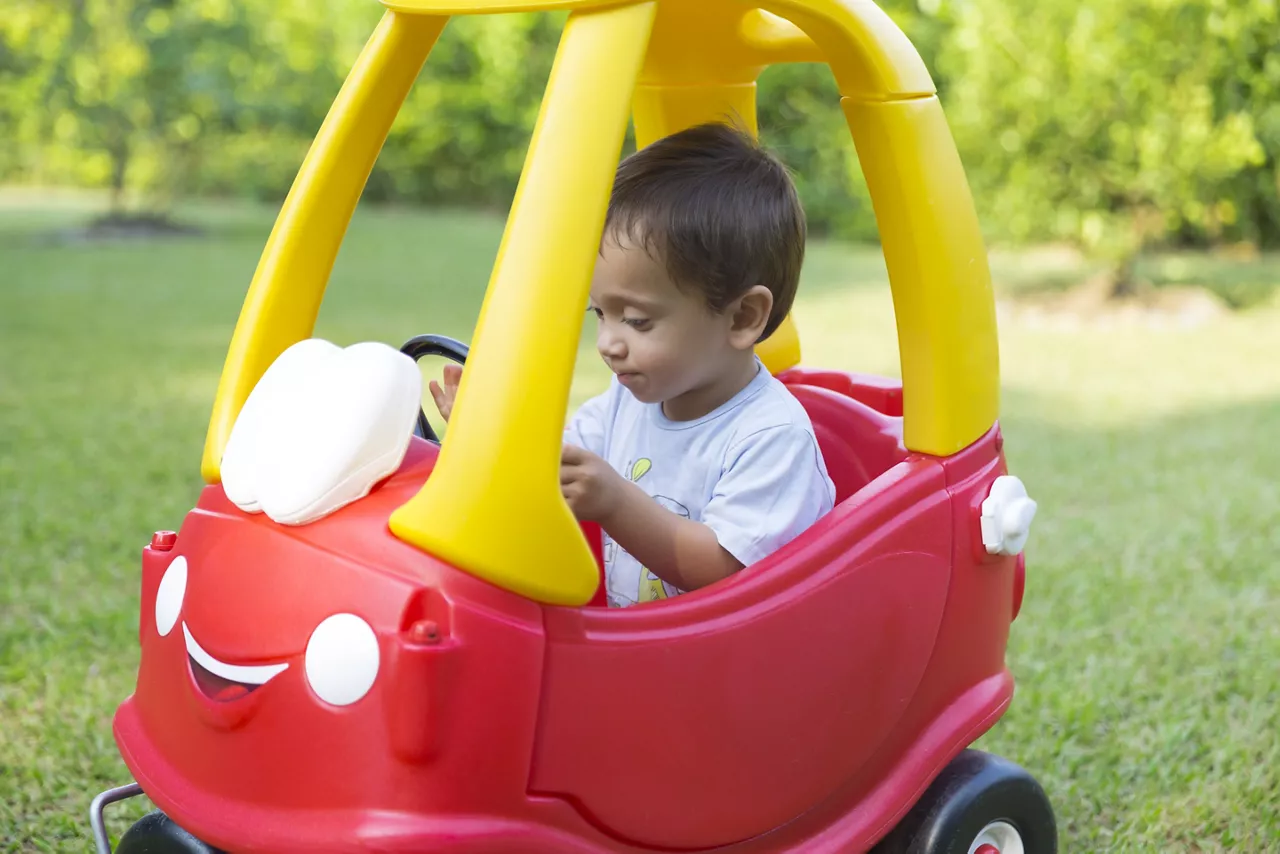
<point x="773" y="486"/>
<point x="587" y="428"/>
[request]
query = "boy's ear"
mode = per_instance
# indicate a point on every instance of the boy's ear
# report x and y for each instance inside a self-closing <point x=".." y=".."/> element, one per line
<point x="750" y="315"/>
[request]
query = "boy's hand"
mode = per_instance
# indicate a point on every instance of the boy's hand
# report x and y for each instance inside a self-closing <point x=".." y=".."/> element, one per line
<point x="590" y="485"/>
<point x="444" y="396"/>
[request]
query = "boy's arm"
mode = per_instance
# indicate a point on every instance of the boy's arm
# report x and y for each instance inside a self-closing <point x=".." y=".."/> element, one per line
<point x="774" y="486"/>
<point x="681" y="552"/>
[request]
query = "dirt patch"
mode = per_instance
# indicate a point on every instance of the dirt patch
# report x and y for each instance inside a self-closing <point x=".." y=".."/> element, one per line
<point x="1094" y="303"/>
<point x="125" y="228"/>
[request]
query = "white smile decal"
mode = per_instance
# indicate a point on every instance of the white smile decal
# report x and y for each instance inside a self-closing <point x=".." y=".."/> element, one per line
<point x="244" y="674"/>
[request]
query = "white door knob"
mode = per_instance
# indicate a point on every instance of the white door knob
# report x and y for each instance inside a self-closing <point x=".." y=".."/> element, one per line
<point x="1006" y="516"/>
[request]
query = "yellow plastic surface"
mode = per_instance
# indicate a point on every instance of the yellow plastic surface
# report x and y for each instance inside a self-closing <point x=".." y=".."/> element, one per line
<point x="662" y="110"/>
<point x="491" y="7"/>
<point x="781" y="350"/>
<point x="938" y="272"/>
<point x="871" y="58"/>
<point x="702" y="66"/>
<point x="493" y="504"/>
<point x="284" y="296"/>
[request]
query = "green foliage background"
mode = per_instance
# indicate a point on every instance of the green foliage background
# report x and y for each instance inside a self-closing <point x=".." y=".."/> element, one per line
<point x="1113" y="124"/>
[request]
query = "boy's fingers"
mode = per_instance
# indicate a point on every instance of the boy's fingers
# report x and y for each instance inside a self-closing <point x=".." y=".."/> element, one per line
<point x="452" y="375"/>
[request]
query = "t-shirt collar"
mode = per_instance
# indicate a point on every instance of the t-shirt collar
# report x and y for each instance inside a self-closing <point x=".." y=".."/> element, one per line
<point x="751" y="389"/>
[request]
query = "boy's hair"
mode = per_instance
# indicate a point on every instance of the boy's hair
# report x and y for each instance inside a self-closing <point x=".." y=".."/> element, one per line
<point x="719" y="211"/>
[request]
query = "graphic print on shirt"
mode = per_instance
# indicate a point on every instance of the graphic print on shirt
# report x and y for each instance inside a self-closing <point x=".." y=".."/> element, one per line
<point x="651" y="588"/>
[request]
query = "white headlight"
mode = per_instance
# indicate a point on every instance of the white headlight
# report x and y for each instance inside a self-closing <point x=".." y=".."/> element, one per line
<point x="173" y="586"/>
<point x="342" y="659"/>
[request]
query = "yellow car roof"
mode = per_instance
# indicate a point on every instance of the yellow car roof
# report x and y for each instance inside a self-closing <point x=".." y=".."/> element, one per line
<point x="493" y="505"/>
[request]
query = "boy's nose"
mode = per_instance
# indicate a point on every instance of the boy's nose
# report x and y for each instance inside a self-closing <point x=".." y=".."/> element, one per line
<point x="611" y="346"/>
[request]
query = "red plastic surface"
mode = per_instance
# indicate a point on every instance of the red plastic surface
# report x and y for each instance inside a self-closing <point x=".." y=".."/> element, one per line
<point x="802" y="705"/>
<point x="737" y="708"/>
<point x="880" y="393"/>
<point x="858" y="443"/>
<point x="1019" y="584"/>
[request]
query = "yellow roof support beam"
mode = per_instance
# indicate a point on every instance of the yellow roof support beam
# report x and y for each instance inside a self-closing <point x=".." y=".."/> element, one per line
<point x="493" y="504"/>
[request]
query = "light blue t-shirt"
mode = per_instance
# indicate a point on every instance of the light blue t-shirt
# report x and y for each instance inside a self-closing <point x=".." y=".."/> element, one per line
<point x="750" y="470"/>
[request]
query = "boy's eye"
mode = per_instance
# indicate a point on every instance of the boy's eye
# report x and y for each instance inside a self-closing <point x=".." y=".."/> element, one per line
<point x="637" y="323"/>
<point x="597" y="312"/>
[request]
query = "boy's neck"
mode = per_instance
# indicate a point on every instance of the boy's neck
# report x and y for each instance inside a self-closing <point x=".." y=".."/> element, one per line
<point x="719" y="390"/>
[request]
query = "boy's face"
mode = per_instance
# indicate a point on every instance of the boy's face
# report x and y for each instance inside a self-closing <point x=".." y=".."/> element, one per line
<point x="660" y="341"/>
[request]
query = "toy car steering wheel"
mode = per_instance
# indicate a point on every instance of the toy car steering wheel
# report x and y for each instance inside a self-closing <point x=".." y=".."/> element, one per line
<point x="433" y="345"/>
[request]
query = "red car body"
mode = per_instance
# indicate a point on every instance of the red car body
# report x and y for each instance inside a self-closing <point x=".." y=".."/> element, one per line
<point x="801" y="705"/>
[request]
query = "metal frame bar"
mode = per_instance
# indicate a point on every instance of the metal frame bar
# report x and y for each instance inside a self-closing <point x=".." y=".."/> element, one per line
<point x="101" y="839"/>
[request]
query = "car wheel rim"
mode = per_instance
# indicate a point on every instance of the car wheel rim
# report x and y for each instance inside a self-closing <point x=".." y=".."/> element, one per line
<point x="998" y="837"/>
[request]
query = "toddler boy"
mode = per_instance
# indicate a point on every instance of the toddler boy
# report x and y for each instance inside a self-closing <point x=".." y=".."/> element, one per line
<point x="696" y="462"/>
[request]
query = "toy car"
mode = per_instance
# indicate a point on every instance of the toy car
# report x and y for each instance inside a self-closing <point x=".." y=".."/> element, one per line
<point x="360" y="640"/>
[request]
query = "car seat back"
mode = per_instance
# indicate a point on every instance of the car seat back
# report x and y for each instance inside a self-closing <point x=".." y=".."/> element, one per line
<point x="857" y="442"/>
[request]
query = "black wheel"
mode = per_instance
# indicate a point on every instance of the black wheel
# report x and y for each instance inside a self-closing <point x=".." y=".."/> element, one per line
<point x="979" y="804"/>
<point x="433" y="345"/>
<point x="156" y="833"/>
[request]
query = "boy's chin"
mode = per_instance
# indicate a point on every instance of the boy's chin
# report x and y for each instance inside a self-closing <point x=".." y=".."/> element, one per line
<point x="644" y="396"/>
<point x="640" y="389"/>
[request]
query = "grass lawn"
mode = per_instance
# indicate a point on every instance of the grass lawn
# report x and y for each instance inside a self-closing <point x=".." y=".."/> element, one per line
<point x="1146" y="652"/>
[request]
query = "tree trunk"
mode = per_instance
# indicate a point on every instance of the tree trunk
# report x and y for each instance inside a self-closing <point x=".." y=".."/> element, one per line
<point x="119" y="171"/>
<point x="1123" y="278"/>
